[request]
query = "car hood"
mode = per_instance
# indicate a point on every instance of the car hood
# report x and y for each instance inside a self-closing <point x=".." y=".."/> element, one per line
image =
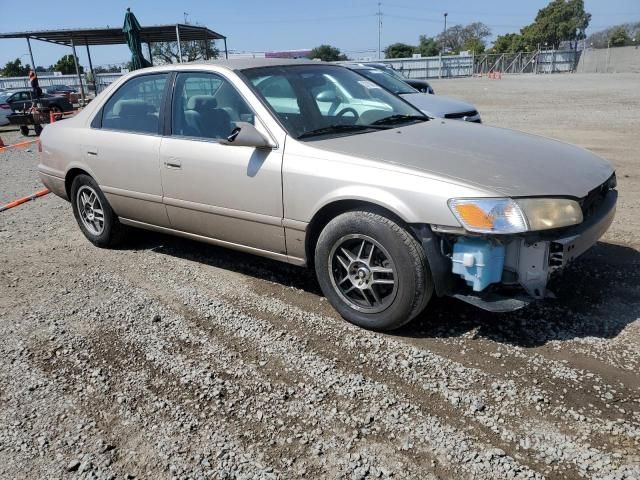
<point x="437" y="105"/>
<point x="503" y="161"/>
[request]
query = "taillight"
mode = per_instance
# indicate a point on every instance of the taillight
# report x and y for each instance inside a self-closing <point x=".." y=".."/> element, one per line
<point x="5" y="105"/>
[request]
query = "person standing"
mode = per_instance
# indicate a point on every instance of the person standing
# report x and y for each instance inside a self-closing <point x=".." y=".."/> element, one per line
<point x="36" y="91"/>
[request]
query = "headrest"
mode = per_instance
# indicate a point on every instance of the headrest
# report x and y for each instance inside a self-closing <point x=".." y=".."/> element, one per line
<point x="126" y="108"/>
<point x="198" y="102"/>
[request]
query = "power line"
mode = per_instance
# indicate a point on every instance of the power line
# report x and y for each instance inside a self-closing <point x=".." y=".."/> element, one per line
<point x="379" y="27"/>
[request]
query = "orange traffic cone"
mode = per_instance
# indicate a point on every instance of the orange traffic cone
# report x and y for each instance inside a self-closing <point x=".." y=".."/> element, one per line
<point x="1" y="143"/>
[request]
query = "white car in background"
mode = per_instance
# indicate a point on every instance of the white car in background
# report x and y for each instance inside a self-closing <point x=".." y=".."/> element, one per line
<point x="5" y="110"/>
<point x="435" y="106"/>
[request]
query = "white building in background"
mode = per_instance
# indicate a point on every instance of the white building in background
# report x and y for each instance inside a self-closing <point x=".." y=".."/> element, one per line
<point x="301" y="53"/>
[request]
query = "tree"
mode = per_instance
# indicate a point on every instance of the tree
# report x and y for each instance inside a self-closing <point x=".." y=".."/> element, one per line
<point x="66" y="65"/>
<point x="560" y="20"/>
<point x="40" y="69"/>
<point x="327" y="53"/>
<point x="601" y="38"/>
<point x="427" y="46"/>
<point x="399" y="50"/>
<point x="473" y="45"/>
<point x="459" y="37"/>
<point x="619" y="37"/>
<point x="167" y="52"/>
<point x="16" y="69"/>
<point x="509" y="43"/>
<point x="108" y="69"/>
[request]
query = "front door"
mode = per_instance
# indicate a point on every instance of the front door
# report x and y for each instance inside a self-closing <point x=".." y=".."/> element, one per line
<point x="229" y="193"/>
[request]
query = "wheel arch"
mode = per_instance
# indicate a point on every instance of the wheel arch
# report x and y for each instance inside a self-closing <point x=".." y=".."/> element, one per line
<point x="438" y="264"/>
<point x="70" y="175"/>
<point x="337" y="207"/>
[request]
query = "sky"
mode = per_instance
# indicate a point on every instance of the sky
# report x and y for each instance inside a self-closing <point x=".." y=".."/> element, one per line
<point x="268" y="25"/>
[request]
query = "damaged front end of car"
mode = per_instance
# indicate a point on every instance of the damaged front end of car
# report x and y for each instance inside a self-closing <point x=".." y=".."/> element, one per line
<point x="507" y="249"/>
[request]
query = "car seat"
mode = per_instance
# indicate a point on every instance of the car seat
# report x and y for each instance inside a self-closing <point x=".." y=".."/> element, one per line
<point x="204" y="119"/>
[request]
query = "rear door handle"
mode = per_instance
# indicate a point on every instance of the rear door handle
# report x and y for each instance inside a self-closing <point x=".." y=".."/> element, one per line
<point x="92" y="153"/>
<point x="173" y="163"/>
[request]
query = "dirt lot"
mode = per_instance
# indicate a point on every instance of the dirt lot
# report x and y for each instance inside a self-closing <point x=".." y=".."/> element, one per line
<point x="167" y="358"/>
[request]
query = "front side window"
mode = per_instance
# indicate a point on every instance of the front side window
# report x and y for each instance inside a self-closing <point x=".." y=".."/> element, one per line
<point x="135" y="107"/>
<point x="317" y="100"/>
<point x="205" y="105"/>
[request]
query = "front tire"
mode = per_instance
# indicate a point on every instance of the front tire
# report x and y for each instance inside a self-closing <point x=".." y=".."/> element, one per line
<point x="93" y="213"/>
<point x="372" y="271"/>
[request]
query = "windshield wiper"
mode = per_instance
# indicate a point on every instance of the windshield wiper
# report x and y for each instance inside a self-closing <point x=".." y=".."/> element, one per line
<point x="393" y="119"/>
<point x="339" y="129"/>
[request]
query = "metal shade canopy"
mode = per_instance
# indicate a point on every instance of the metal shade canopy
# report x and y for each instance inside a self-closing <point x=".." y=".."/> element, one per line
<point x="114" y="36"/>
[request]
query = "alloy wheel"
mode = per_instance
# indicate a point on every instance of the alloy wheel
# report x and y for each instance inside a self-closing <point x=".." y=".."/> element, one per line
<point x="363" y="273"/>
<point x="90" y="210"/>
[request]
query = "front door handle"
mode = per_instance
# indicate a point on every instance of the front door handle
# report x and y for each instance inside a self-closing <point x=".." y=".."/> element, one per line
<point x="173" y="163"/>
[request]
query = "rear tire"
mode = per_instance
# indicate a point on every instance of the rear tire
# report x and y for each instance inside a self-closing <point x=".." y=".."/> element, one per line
<point x="24" y="130"/>
<point x="372" y="271"/>
<point x="93" y="213"/>
<point x="37" y="129"/>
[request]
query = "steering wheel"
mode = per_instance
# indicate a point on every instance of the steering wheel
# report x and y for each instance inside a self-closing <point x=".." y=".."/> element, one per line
<point x="346" y="110"/>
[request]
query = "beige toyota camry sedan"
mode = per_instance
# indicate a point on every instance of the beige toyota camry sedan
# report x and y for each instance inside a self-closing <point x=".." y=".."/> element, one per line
<point x="312" y="164"/>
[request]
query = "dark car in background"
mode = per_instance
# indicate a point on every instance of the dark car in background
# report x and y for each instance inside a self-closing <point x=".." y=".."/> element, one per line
<point x="70" y="93"/>
<point x="20" y="99"/>
<point x="420" y="85"/>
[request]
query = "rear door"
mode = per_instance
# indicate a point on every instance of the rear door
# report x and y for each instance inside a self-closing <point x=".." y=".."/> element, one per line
<point x="122" y="148"/>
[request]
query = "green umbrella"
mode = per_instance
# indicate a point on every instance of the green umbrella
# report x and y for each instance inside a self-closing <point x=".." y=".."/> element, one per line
<point x="131" y="30"/>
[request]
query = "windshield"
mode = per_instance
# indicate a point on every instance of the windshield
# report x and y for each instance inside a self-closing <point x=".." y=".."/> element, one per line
<point x="387" y="81"/>
<point x="319" y="100"/>
<point x="395" y="74"/>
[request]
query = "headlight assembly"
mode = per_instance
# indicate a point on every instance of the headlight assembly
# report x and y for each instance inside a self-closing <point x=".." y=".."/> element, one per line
<point x="546" y="213"/>
<point x="489" y="215"/>
<point x="505" y="215"/>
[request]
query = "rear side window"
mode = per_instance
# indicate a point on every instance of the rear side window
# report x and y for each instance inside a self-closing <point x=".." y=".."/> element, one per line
<point x="135" y="107"/>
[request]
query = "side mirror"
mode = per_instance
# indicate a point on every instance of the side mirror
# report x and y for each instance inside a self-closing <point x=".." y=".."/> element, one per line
<point x="246" y="135"/>
<point x="329" y="96"/>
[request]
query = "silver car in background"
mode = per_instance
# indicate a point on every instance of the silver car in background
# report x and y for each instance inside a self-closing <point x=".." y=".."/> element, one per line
<point x="435" y="106"/>
<point x="389" y="207"/>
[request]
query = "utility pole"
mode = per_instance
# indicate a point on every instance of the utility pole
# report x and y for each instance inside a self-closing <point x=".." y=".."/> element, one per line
<point x="444" y="32"/>
<point x="186" y="15"/>
<point x="379" y="27"/>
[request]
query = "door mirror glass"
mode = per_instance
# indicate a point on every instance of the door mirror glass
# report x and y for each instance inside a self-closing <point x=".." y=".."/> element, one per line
<point x="329" y="96"/>
<point x="246" y="135"/>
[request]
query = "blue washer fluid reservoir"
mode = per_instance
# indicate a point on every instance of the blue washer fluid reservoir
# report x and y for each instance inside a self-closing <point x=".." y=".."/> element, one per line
<point x="479" y="261"/>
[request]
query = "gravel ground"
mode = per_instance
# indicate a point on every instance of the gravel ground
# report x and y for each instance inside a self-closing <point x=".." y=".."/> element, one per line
<point x="172" y="359"/>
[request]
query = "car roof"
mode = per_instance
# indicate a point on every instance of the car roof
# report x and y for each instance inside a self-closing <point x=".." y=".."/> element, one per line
<point x="234" y="64"/>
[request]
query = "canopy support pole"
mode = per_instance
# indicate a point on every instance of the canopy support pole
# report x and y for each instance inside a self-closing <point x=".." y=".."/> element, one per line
<point x="150" y="56"/>
<point x="93" y="75"/>
<point x="75" y="61"/>
<point x="206" y="46"/>
<point x="226" y="53"/>
<point x="33" y="64"/>
<point x="178" y="40"/>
